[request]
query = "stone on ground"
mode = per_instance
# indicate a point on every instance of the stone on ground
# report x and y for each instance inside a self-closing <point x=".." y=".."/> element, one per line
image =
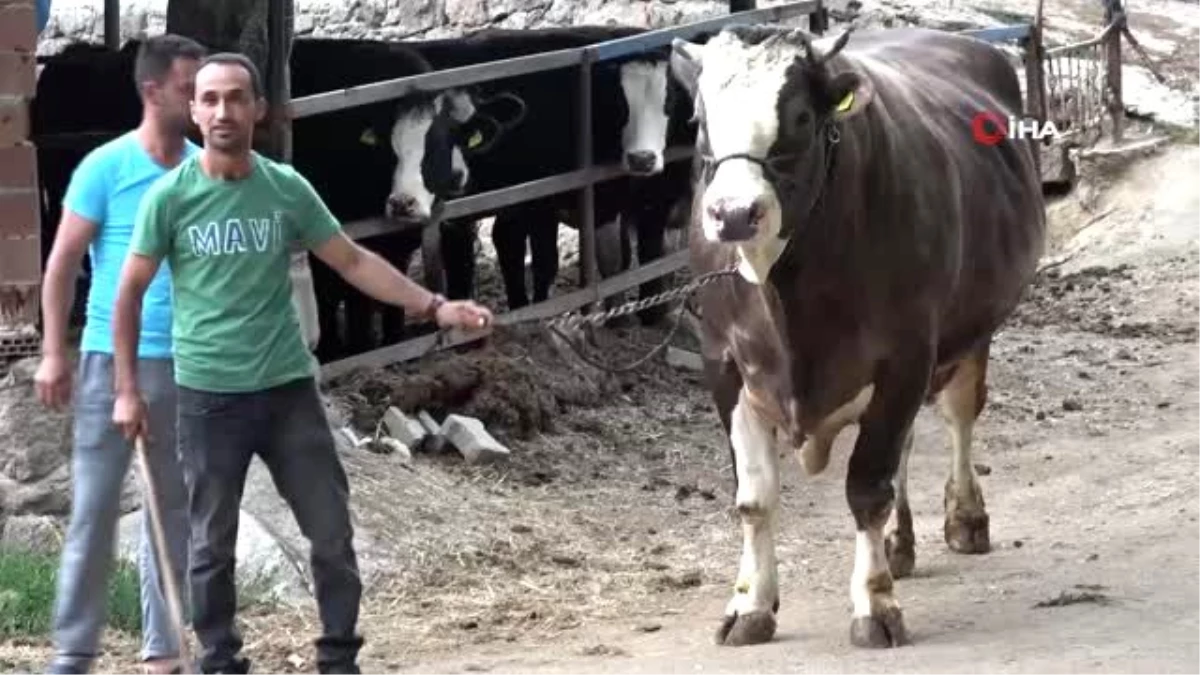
<point x="472" y="440"/>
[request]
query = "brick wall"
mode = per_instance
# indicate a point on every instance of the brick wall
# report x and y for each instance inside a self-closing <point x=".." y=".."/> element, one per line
<point x="20" y="221"/>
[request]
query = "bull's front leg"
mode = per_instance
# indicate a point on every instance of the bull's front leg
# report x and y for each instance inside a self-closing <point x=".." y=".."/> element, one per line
<point x="750" y="614"/>
<point x="885" y="430"/>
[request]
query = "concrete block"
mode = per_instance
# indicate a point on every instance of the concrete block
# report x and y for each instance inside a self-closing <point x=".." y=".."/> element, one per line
<point x="472" y="440"/>
<point x="679" y="358"/>
<point x="403" y="428"/>
<point x="428" y="422"/>
<point x="395" y="447"/>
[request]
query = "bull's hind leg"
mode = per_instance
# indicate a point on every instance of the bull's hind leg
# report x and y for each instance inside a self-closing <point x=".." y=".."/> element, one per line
<point x="901" y="544"/>
<point x="961" y="401"/>
<point x="750" y="614"/>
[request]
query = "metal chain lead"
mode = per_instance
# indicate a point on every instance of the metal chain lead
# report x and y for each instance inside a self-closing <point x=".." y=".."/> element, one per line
<point x="571" y="320"/>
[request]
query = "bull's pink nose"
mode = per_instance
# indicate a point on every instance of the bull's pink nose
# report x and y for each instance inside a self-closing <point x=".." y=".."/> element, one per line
<point x="737" y="219"/>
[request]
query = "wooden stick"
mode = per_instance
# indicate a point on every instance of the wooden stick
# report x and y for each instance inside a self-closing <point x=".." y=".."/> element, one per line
<point x="163" y="557"/>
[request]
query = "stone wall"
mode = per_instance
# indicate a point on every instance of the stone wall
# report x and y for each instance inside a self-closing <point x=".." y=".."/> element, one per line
<point x="73" y="20"/>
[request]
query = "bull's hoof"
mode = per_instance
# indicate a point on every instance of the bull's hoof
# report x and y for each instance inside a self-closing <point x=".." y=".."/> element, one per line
<point x="879" y="632"/>
<point x="967" y="532"/>
<point x="901" y="555"/>
<point x="746" y="629"/>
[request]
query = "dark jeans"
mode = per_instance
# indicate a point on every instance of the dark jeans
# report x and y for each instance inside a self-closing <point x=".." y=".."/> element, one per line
<point x="218" y="436"/>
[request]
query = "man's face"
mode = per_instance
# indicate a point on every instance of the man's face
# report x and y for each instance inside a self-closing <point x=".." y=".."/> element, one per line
<point x="173" y="96"/>
<point x="225" y="107"/>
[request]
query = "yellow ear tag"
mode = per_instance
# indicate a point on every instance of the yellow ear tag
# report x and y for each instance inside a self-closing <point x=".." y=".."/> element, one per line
<point x="847" y="101"/>
<point x="475" y="139"/>
<point x="742" y="586"/>
<point x="368" y="137"/>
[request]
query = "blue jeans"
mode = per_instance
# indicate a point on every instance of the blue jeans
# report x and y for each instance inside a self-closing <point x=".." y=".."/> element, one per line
<point x="99" y="464"/>
<point x="219" y="434"/>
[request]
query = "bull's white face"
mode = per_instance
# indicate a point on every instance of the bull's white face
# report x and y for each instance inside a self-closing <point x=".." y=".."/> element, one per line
<point x="644" y="137"/>
<point x="739" y="87"/>
<point x="741" y="90"/>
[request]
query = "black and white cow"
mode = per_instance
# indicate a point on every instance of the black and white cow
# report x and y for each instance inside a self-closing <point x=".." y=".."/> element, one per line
<point x="637" y="111"/>
<point x="401" y="158"/>
<point x="879" y="248"/>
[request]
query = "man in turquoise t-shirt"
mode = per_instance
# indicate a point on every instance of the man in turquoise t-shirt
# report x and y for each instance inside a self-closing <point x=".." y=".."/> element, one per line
<point x="224" y="221"/>
<point x="99" y="208"/>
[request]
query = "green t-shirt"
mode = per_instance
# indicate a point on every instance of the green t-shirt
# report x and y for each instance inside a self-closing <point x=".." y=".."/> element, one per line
<point x="227" y="244"/>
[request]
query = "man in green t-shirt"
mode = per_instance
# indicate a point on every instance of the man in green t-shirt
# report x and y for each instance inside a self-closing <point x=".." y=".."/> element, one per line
<point x="223" y="220"/>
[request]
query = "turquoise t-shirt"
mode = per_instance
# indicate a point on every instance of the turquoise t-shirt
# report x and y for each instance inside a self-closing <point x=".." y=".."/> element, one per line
<point x="227" y="243"/>
<point x="107" y="188"/>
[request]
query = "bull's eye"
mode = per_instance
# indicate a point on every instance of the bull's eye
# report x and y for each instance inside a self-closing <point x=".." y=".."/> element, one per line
<point x="803" y="118"/>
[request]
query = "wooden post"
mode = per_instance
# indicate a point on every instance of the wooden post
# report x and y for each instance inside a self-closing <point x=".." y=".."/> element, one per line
<point x="112" y="24"/>
<point x="818" y="21"/>
<point x="279" y="48"/>
<point x="1116" y="106"/>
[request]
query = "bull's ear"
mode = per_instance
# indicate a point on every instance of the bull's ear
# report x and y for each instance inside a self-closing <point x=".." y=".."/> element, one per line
<point x="851" y="93"/>
<point x="686" y="63"/>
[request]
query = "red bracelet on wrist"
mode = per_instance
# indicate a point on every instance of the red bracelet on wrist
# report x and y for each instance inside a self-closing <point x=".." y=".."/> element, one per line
<point x="431" y="309"/>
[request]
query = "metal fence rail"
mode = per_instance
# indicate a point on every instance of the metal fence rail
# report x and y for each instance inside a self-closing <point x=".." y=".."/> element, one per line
<point x="584" y="178"/>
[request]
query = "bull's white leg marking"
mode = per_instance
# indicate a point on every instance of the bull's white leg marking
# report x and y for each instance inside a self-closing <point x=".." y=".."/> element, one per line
<point x="901" y="542"/>
<point x="739" y="86"/>
<point x="966" y="526"/>
<point x="645" y="87"/>
<point x="871" y="582"/>
<point x="757" y="459"/>
<point x="814" y="454"/>
<point x="408" y="142"/>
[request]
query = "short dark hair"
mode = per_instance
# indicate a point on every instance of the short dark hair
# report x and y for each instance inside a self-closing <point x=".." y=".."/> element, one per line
<point x="237" y="59"/>
<point x="157" y="54"/>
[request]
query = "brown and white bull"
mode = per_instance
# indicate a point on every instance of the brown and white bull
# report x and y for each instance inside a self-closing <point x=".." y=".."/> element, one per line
<point x="879" y="248"/>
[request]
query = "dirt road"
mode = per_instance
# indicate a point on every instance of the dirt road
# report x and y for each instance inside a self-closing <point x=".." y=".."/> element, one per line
<point x="1091" y="448"/>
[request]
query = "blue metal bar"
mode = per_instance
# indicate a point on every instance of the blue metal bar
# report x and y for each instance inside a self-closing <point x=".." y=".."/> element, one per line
<point x="1001" y="34"/>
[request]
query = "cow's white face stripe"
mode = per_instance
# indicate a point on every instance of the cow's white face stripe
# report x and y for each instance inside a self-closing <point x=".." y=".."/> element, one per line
<point x="645" y="87"/>
<point x="408" y="142"/>
<point x="739" y="86"/>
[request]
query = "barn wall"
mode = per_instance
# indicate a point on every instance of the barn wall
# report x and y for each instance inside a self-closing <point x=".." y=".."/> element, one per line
<point x="20" y="221"/>
<point x="386" y="19"/>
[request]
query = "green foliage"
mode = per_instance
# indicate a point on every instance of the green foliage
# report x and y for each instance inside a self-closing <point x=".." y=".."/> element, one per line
<point x="28" y="583"/>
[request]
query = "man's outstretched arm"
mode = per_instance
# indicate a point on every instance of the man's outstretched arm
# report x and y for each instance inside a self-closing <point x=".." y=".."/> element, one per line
<point x="372" y="275"/>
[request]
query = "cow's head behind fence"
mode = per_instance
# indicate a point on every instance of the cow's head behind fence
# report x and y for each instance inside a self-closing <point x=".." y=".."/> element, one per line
<point x="429" y="161"/>
<point x="769" y="107"/>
